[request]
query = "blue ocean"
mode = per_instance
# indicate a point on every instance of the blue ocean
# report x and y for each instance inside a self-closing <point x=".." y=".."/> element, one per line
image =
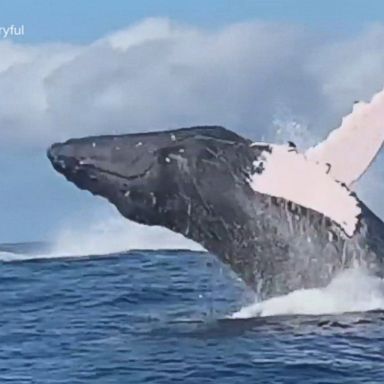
<point x="177" y="317"/>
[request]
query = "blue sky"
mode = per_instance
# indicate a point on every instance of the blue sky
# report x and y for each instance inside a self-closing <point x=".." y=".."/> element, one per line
<point x="86" y="20"/>
<point x="34" y="201"/>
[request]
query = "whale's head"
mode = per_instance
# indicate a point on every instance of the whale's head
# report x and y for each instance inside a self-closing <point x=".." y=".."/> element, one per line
<point x="160" y="178"/>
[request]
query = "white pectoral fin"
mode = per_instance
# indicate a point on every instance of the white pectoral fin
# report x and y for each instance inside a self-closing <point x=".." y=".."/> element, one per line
<point x="350" y="149"/>
<point x="289" y="175"/>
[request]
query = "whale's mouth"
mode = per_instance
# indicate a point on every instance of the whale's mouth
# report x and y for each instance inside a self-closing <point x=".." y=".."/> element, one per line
<point x="68" y="166"/>
<point x="78" y="166"/>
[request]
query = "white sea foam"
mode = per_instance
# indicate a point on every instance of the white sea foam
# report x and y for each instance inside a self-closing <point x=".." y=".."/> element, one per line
<point x="353" y="290"/>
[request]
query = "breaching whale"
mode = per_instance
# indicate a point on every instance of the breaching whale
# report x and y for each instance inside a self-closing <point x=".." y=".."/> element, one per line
<point x="280" y="218"/>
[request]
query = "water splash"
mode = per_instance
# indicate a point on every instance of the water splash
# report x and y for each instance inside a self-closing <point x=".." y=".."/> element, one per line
<point x="116" y="234"/>
<point x="9" y="256"/>
<point x="286" y="128"/>
<point x="110" y="235"/>
<point x="353" y="290"/>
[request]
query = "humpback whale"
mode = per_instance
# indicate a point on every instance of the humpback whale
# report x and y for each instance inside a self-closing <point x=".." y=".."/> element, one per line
<point x="280" y="218"/>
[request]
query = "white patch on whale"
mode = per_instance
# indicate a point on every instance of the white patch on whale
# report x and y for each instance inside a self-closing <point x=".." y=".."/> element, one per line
<point x="321" y="178"/>
<point x="287" y="174"/>
<point x="352" y="147"/>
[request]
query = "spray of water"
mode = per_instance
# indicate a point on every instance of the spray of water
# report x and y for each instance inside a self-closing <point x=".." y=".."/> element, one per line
<point x="353" y="290"/>
<point x="111" y="234"/>
<point x="286" y="127"/>
<point x="115" y="234"/>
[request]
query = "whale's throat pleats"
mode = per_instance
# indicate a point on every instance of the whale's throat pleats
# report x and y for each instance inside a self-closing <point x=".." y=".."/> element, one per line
<point x="283" y="172"/>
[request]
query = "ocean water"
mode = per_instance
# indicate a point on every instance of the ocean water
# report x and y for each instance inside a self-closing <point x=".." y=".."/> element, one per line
<point x="178" y="317"/>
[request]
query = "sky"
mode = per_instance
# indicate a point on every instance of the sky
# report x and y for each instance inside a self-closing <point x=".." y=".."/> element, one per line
<point x="267" y="69"/>
<point x="86" y="20"/>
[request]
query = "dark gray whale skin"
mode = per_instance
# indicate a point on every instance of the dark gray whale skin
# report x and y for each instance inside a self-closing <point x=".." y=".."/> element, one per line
<point x="195" y="181"/>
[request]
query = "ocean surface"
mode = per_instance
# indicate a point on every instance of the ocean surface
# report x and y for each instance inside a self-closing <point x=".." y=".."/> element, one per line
<point x="177" y="317"/>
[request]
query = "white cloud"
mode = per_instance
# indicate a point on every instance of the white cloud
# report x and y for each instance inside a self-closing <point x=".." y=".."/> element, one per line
<point x="159" y="74"/>
<point x="351" y="69"/>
